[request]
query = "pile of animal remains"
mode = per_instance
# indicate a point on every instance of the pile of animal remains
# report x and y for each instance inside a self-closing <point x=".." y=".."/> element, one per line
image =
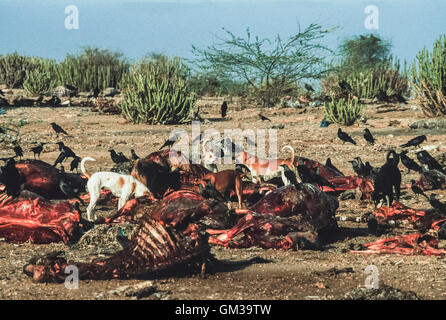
<point x="181" y="208"/>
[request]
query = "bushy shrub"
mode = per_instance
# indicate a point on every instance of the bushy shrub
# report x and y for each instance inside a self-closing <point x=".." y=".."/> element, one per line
<point x="13" y="69"/>
<point x="208" y="84"/>
<point x="93" y="69"/>
<point x="343" y="111"/>
<point x="368" y="84"/>
<point x="429" y="78"/>
<point x="156" y="92"/>
<point x="42" y="77"/>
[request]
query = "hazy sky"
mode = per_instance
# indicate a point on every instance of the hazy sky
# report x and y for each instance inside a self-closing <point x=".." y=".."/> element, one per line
<point x="138" y="27"/>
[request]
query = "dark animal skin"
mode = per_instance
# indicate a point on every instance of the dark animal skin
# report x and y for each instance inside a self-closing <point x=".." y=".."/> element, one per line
<point x="43" y="179"/>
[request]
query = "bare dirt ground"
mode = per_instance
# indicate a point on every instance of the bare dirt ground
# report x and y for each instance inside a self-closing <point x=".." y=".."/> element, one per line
<point x="290" y="274"/>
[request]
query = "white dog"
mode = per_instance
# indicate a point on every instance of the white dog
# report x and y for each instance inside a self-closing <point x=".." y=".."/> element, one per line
<point x="120" y="185"/>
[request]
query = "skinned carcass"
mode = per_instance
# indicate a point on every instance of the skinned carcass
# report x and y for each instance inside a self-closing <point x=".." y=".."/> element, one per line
<point x="363" y="186"/>
<point x="169" y="235"/>
<point x="38" y="221"/>
<point x="411" y="244"/>
<point x="285" y="218"/>
<point x="151" y="248"/>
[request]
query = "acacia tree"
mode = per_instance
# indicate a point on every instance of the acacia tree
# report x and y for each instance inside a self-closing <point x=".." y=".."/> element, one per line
<point x="270" y="68"/>
<point x="365" y="52"/>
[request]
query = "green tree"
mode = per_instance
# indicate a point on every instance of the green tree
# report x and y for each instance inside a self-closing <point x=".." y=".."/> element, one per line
<point x="364" y="52"/>
<point x="270" y="68"/>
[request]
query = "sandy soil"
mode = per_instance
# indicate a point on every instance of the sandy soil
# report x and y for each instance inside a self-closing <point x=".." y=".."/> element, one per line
<point x="289" y="274"/>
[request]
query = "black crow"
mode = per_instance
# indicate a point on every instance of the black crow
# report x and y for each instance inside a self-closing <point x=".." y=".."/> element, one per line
<point x="54" y="101"/>
<point x="263" y="118"/>
<point x="134" y="155"/>
<point x="117" y="158"/>
<point x="308" y="87"/>
<point x="209" y="191"/>
<point x="68" y="152"/>
<point x="38" y="149"/>
<point x="345" y="137"/>
<point x="345" y="85"/>
<point x="409" y="163"/>
<point x="425" y="158"/>
<point x="75" y="163"/>
<point x="331" y="166"/>
<point x="170" y="142"/>
<point x="57" y="128"/>
<point x="416" y="189"/>
<point x="415" y="142"/>
<point x="289" y="175"/>
<point x="368" y="136"/>
<point x="123" y="157"/>
<point x="18" y="151"/>
<point x="224" y="109"/>
<point x="62" y="156"/>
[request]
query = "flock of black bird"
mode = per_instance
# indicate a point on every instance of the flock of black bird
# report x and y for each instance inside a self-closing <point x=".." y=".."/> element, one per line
<point x="66" y="152"/>
<point x="387" y="179"/>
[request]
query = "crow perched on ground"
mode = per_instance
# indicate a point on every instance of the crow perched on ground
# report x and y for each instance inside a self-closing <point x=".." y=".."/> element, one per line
<point x="409" y="163"/>
<point x="54" y="101"/>
<point x="75" y="163"/>
<point x="331" y="166"/>
<point x="435" y="203"/>
<point x="416" y="189"/>
<point x="308" y="87"/>
<point x="425" y="158"/>
<point x="58" y="129"/>
<point x="358" y="166"/>
<point x="170" y="142"/>
<point x="345" y="137"/>
<point x="68" y="152"/>
<point x="38" y="149"/>
<point x="263" y="118"/>
<point x="134" y="155"/>
<point x="368" y="136"/>
<point x="290" y="176"/>
<point x="117" y="158"/>
<point x="123" y="157"/>
<point x="18" y="151"/>
<point x="415" y="142"/>
<point x="308" y="176"/>
<point x="224" y="109"/>
<point x="62" y="156"/>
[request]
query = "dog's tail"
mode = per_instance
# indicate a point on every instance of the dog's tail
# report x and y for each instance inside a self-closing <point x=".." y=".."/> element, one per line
<point x="84" y="172"/>
<point x="292" y="152"/>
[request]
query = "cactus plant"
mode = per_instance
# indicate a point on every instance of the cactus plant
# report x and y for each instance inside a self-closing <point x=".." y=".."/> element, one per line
<point x="429" y="78"/>
<point x="157" y="93"/>
<point x="92" y="69"/>
<point x="42" y="77"/>
<point x="13" y="69"/>
<point x="343" y="111"/>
